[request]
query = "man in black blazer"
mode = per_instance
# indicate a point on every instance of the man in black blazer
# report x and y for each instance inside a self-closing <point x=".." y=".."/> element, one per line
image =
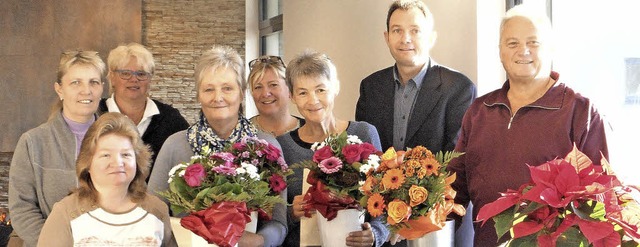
<point x="416" y="101"/>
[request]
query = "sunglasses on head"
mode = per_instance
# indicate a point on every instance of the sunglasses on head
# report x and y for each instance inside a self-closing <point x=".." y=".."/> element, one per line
<point x="267" y="60"/>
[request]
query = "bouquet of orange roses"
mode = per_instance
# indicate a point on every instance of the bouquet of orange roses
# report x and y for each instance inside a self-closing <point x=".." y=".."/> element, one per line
<point x="413" y="190"/>
<point x="569" y="202"/>
<point x="219" y="190"/>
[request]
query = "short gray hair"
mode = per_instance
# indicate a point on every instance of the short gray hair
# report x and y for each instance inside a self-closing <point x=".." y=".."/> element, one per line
<point x="120" y="56"/>
<point x="539" y="18"/>
<point x="312" y="64"/>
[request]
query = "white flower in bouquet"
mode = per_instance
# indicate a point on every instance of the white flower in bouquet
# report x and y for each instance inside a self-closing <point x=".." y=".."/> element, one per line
<point x="353" y="139"/>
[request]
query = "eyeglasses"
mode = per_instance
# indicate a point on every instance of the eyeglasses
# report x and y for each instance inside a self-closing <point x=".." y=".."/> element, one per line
<point x="126" y="74"/>
<point x="267" y="59"/>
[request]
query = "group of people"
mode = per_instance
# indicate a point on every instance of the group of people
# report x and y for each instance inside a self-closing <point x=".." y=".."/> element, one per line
<point x="115" y="154"/>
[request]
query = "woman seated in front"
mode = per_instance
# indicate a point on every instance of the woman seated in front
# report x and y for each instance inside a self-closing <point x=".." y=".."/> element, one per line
<point x="111" y="207"/>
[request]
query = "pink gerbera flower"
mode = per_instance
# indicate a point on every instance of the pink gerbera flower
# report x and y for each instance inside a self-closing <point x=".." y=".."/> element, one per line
<point x="330" y="165"/>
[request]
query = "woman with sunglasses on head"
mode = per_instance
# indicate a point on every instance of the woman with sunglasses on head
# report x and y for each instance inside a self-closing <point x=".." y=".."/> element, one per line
<point x="313" y="81"/>
<point x="220" y="87"/>
<point x="131" y="68"/>
<point x="271" y="96"/>
<point x="44" y="162"/>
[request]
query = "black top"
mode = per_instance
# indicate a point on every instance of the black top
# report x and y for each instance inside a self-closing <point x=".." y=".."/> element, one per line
<point x="162" y="125"/>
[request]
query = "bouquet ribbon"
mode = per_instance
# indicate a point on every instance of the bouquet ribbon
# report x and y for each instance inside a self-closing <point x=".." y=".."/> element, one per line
<point x="326" y="202"/>
<point x="222" y="223"/>
<point x="435" y="219"/>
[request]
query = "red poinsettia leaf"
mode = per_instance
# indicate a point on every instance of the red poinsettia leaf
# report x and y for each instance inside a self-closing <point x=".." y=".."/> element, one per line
<point x="578" y="159"/>
<point x="494" y="208"/>
<point x="613" y="239"/>
<point x="534" y="194"/>
<point x="566" y="180"/>
<point x="542" y="174"/>
<point x="546" y="240"/>
<point x="595" y="230"/>
<point x="551" y="197"/>
<point x="526" y="228"/>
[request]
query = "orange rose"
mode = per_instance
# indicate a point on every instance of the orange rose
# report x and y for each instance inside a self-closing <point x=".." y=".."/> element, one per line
<point x="368" y="185"/>
<point x="417" y="195"/>
<point x="398" y="211"/>
<point x="389" y="158"/>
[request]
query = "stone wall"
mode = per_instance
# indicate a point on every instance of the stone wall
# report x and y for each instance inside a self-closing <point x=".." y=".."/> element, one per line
<point x="5" y="161"/>
<point x="177" y="32"/>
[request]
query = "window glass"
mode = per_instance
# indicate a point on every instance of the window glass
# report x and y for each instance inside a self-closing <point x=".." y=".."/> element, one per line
<point x="597" y="52"/>
<point x="270" y="9"/>
<point x="272" y="44"/>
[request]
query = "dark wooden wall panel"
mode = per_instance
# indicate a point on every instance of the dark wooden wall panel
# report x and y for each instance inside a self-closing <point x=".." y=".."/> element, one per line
<point x="32" y="36"/>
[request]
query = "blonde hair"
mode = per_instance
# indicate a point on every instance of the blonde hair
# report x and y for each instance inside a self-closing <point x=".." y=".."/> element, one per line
<point x="118" y="124"/>
<point x="72" y="58"/>
<point x="257" y="71"/>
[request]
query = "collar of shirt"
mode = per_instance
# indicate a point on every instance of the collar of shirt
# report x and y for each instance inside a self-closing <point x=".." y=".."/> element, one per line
<point x="150" y="110"/>
<point x="553" y="98"/>
<point x="416" y="79"/>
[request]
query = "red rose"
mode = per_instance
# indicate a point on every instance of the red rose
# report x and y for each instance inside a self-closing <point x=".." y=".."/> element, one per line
<point x="277" y="183"/>
<point x="194" y="174"/>
<point x="322" y="154"/>
<point x="366" y="150"/>
<point x="351" y="153"/>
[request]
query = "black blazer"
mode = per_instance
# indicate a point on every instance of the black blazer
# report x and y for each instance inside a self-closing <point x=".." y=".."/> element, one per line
<point x="435" y="122"/>
<point x="162" y="125"/>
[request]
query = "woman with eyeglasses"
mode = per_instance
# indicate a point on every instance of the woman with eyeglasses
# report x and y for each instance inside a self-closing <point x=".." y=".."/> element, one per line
<point x="131" y="68"/>
<point x="220" y="87"/>
<point x="271" y="96"/>
<point x="44" y="162"/>
<point x="313" y="81"/>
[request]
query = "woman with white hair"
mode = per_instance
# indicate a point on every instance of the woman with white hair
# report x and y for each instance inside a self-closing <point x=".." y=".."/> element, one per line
<point x="220" y="87"/>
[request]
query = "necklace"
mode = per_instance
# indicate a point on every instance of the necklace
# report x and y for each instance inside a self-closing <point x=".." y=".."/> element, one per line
<point x="288" y="127"/>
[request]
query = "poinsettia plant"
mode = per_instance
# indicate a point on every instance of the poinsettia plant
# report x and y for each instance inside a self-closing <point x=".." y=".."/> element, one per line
<point x="412" y="189"/>
<point x="223" y="187"/>
<point x="568" y="202"/>
<point x="337" y="169"/>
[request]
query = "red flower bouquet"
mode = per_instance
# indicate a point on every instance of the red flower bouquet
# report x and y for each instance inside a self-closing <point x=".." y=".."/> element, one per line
<point x="336" y="171"/>
<point x="569" y="202"/>
<point x="413" y="190"/>
<point x="219" y="190"/>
